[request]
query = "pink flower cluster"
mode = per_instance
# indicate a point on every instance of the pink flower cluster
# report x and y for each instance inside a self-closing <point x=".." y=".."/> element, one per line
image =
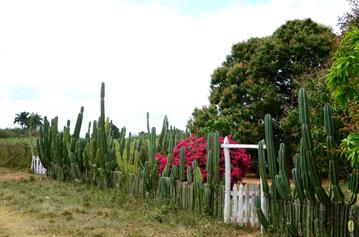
<point x="195" y="149"/>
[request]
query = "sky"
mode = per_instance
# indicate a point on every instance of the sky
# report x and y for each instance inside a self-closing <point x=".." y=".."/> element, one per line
<point x="154" y="56"/>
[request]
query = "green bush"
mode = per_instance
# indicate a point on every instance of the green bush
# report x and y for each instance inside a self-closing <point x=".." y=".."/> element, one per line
<point x="14" y="153"/>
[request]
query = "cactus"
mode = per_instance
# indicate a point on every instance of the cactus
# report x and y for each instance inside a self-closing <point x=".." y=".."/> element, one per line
<point x="270" y="151"/>
<point x="216" y="158"/>
<point x="308" y="147"/>
<point x="307" y="184"/>
<point x="337" y="194"/>
<point x="261" y="217"/>
<point x="128" y="159"/>
<point x="182" y="165"/>
<point x="282" y="179"/>
<point x="189" y="174"/>
<point x="262" y="170"/>
<point x="44" y="144"/>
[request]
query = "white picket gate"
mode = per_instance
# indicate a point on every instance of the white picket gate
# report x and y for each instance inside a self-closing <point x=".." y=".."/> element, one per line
<point x="243" y="211"/>
<point x="239" y="202"/>
<point x="36" y="166"/>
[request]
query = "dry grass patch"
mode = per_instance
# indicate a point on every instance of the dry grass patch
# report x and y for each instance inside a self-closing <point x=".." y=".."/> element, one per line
<point x="44" y="207"/>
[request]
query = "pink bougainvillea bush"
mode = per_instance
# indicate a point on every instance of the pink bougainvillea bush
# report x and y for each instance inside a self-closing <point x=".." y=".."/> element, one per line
<point x="195" y="149"/>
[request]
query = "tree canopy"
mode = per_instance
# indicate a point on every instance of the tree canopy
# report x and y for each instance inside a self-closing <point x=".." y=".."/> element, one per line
<point x="260" y="76"/>
<point x="27" y="120"/>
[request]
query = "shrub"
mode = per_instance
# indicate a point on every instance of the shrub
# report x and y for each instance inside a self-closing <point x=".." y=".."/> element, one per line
<point x="195" y="149"/>
<point x="14" y="154"/>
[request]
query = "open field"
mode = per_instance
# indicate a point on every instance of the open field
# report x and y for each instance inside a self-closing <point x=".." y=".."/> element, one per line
<point x="38" y="206"/>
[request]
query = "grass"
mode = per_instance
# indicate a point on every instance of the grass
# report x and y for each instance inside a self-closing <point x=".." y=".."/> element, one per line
<point x="39" y="206"/>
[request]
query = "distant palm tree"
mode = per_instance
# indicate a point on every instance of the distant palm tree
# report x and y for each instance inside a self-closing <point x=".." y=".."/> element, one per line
<point x="34" y="121"/>
<point x="27" y="120"/>
<point x="22" y="119"/>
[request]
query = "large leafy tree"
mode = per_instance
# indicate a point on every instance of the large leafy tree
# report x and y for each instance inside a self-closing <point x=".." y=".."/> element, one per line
<point x="260" y="76"/>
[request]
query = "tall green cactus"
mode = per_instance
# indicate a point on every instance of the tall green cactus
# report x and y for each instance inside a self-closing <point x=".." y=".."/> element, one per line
<point x="282" y="180"/>
<point x="44" y="144"/>
<point x="182" y="165"/>
<point x="262" y="169"/>
<point x="307" y="183"/>
<point x="336" y="192"/>
<point x="216" y="159"/>
<point x="272" y="163"/>
<point x="308" y="147"/>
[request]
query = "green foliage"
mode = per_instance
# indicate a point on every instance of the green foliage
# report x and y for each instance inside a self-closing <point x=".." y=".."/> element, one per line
<point x="67" y="156"/>
<point x="344" y="73"/>
<point x="128" y="158"/>
<point x="350" y="146"/>
<point x="27" y="120"/>
<point x="15" y="153"/>
<point x="343" y="80"/>
<point x="318" y="95"/>
<point x="308" y="189"/>
<point x="12" y="133"/>
<point x="351" y="18"/>
<point x="259" y="77"/>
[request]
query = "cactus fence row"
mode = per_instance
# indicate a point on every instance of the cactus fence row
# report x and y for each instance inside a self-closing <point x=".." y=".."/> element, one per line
<point x="310" y="208"/>
<point x="130" y="163"/>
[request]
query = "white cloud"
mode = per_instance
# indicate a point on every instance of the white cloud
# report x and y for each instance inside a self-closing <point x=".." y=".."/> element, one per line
<point x="151" y="57"/>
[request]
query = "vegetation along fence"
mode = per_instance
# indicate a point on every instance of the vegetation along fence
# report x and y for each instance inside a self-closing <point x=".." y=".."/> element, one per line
<point x="148" y="166"/>
<point x="306" y="207"/>
<point x="191" y="195"/>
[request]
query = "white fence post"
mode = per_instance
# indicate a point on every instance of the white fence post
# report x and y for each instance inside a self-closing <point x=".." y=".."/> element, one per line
<point x="227" y="182"/>
<point x="239" y="204"/>
<point x="36" y="166"/>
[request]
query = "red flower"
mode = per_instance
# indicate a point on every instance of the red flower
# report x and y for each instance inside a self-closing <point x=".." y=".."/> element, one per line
<point x="195" y="149"/>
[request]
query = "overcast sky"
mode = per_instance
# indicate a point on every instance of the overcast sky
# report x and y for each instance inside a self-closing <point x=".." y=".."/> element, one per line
<point x="153" y="55"/>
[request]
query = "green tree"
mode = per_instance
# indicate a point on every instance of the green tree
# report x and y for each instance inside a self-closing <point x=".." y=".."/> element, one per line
<point x="343" y="80"/>
<point x="351" y="18"/>
<point x="27" y="120"/>
<point x="343" y="77"/>
<point x="22" y="119"/>
<point x="259" y="77"/>
<point x="34" y="121"/>
<point x="31" y="122"/>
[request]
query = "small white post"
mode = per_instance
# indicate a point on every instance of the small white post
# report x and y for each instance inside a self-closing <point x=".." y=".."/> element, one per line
<point x="32" y="163"/>
<point x="227" y="182"/>
<point x="263" y="202"/>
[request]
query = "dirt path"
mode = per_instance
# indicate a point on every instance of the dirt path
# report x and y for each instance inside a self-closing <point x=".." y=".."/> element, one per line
<point x="11" y="175"/>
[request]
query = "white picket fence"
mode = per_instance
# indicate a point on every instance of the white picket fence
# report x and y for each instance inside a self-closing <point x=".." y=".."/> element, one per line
<point x="36" y="166"/>
<point x="239" y="202"/>
<point x="243" y="211"/>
